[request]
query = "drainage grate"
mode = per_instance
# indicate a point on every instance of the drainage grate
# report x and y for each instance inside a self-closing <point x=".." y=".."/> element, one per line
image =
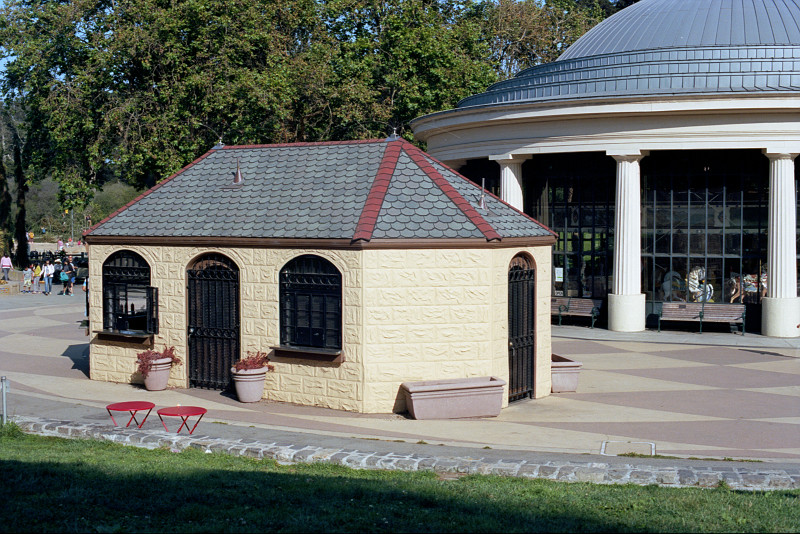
<point x="615" y="448"/>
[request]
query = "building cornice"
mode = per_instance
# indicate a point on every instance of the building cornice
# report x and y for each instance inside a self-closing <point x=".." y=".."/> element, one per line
<point x="336" y="244"/>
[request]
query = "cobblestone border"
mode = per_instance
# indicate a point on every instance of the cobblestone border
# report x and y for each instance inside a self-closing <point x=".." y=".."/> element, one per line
<point x="735" y="477"/>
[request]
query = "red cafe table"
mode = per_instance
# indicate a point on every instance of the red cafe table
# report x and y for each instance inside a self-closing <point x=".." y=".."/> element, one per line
<point x="184" y="412"/>
<point x="131" y="407"/>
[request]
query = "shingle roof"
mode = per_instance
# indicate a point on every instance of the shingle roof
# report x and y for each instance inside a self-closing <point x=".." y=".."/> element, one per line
<point x="357" y="190"/>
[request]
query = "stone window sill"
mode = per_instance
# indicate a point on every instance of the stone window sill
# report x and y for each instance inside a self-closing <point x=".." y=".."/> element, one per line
<point x="309" y="353"/>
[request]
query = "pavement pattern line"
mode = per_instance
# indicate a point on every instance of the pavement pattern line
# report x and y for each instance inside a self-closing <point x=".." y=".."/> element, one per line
<point x="703" y="475"/>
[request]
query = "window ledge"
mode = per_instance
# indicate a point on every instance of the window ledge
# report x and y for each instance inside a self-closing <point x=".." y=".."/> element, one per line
<point x="309" y="353"/>
<point x="129" y="336"/>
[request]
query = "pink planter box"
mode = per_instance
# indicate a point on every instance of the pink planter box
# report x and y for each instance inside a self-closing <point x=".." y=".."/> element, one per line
<point x="454" y="398"/>
<point x="564" y="374"/>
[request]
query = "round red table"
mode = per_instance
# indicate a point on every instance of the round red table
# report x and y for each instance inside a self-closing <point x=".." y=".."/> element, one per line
<point x="131" y="407"/>
<point x="184" y="412"/>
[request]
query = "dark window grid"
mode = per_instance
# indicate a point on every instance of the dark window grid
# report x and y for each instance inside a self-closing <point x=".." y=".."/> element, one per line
<point x="126" y="281"/>
<point x="310" y="302"/>
<point x="699" y="200"/>
<point x="584" y="245"/>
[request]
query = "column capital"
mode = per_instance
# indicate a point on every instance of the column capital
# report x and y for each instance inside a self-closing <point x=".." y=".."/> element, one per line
<point x="627" y="155"/>
<point x="509" y="158"/>
<point x="776" y="154"/>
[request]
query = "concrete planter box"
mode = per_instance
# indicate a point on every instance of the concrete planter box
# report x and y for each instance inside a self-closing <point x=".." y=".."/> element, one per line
<point x="564" y="374"/>
<point x="454" y="398"/>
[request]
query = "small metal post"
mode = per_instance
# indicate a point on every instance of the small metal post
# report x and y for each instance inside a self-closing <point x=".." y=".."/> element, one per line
<point x="4" y="387"/>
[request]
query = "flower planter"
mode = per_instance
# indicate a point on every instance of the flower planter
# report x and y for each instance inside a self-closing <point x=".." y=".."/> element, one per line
<point x="564" y="374"/>
<point x="157" y="378"/>
<point x="249" y="383"/>
<point x="454" y="398"/>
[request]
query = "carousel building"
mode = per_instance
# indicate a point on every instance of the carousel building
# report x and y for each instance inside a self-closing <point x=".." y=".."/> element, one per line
<point x="660" y="147"/>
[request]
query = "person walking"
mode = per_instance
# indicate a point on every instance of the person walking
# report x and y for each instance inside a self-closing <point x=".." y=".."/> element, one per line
<point x="6" y="265"/>
<point x="69" y="269"/>
<point x="47" y="273"/>
<point x="37" y="276"/>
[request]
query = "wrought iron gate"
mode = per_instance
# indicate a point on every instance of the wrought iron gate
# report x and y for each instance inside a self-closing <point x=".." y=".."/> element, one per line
<point x="521" y="328"/>
<point x="213" y="329"/>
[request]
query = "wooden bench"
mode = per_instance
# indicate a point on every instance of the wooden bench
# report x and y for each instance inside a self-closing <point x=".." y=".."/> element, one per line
<point x="580" y="307"/>
<point x="702" y="311"/>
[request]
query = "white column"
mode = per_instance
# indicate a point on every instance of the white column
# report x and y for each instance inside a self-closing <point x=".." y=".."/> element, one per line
<point x="626" y="302"/>
<point x="780" y="309"/>
<point x="511" y="180"/>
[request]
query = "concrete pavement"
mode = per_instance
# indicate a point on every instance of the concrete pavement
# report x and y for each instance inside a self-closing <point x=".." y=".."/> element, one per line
<point x="713" y="395"/>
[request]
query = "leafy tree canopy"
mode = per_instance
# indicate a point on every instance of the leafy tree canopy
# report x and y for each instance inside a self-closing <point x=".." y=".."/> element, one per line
<point x="136" y="89"/>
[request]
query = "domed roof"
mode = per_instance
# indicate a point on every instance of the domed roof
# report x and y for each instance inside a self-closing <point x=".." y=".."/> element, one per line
<point x="654" y="24"/>
<point x="669" y="47"/>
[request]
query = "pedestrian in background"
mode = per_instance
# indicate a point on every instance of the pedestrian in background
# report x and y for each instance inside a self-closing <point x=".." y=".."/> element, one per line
<point x="6" y="265"/>
<point x="27" y="279"/>
<point x="49" y="270"/>
<point x="37" y="275"/>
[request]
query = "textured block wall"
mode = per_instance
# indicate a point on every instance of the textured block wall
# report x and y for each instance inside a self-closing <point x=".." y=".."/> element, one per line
<point x="294" y="380"/>
<point x="408" y="315"/>
<point x="437" y="314"/>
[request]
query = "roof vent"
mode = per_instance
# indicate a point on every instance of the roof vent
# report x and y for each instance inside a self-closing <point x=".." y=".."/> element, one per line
<point x="237" y="178"/>
<point x="394" y="136"/>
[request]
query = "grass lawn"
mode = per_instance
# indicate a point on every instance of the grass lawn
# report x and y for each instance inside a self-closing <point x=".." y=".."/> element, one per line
<point x="60" y="485"/>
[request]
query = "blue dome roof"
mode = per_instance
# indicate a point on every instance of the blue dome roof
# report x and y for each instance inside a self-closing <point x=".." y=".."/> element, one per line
<point x="669" y="47"/>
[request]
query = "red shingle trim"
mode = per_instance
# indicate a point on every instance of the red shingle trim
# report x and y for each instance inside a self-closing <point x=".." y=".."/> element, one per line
<point x="492" y="195"/>
<point x="372" y="207"/>
<point x="418" y="156"/>
<point x="154" y="188"/>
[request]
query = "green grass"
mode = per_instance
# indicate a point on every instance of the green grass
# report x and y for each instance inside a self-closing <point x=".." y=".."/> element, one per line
<point x="53" y="484"/>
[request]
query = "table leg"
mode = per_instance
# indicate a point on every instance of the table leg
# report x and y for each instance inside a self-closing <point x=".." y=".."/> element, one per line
<point x="133" y="417"/>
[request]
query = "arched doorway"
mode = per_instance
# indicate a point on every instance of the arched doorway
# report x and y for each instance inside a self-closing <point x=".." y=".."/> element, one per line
<point x="213" y="322"/>
<point x="521" y="327"/>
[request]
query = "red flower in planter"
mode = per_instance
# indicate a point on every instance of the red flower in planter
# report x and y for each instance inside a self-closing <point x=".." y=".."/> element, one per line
<point x="254" y="360"/>
<point x="145" y="359"/>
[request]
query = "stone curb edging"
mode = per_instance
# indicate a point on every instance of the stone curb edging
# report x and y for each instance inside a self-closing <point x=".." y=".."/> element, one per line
<point x="740" y="478"/>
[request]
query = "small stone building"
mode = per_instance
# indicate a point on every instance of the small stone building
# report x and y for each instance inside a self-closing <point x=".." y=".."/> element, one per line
<point x="357" y="265"/>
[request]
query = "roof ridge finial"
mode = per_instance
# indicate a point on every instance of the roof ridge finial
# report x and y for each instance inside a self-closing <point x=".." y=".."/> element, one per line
<point x="238" y="178"/>
<point x="393" y="136"/>
<point x="219" y="144"/>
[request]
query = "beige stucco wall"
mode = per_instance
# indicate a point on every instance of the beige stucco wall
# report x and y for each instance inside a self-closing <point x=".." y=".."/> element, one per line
<point x="408" y="315"/>
<point x="300" y="381"/>
<point x="435" y="314"/>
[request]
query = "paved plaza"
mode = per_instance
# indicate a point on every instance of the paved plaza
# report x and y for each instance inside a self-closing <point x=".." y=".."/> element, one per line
<point x="709" y="396"/>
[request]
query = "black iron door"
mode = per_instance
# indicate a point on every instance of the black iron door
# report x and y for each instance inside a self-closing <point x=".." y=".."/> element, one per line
<point x="521" y="332"/>
<point x="213" y="326"/>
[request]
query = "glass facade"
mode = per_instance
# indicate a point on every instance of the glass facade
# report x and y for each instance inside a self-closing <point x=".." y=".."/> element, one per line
<point x="573" y="194"/>
<point x="704" y="226"/>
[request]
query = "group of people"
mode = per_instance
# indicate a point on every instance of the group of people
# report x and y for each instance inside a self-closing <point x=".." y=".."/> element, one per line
<point x="35" y="273"/>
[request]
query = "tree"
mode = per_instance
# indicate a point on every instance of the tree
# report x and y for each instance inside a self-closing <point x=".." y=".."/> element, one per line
<point x="524" y="33"/>
<point x="5" y="209"/>
<point x="20" y="230"/>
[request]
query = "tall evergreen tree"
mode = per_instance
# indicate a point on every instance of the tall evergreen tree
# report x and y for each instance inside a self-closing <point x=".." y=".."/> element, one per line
<point x="20" y="230"/>
<point x="5" y="208"/>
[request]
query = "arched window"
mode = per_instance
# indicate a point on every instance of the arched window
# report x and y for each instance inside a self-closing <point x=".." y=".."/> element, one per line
<point x="129" y="303"/>
<point x="311" y="303"/>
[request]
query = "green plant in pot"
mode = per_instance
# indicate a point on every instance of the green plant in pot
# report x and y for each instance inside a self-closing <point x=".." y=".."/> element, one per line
<point x="155" y="367"/>
<point x="249" y="374"/>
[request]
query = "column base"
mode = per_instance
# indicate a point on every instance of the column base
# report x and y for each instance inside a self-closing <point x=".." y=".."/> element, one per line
<point x="626" y="312"/>
<point x="780" y="317"/>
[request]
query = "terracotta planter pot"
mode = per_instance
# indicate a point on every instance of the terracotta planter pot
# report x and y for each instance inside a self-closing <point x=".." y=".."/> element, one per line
<point x="157" y="378"/>
<point x="564" y="374"/>
<point x="249" y="384"/>
<point x="454" y="398"/>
